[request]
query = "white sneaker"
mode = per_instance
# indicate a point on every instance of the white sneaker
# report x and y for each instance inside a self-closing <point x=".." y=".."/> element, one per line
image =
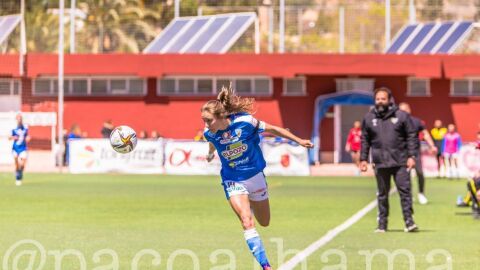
<point x="422" y="199"/>
<point x="18" y="183"/>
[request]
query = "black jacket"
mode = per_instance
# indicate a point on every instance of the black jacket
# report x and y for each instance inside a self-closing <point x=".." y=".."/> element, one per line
<point x="392" y="137"/>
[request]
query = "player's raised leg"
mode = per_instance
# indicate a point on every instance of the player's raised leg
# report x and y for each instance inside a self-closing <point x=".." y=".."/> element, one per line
<point x="261" y="210"/>
<point x="241" y="205"/>
<point x="258" y="195"/>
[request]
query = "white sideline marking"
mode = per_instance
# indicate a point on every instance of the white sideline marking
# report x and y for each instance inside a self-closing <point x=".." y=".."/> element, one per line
<point x="302" y="255"/>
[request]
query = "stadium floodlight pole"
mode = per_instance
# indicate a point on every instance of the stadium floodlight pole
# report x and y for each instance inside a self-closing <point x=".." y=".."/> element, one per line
<point x="60" y="83"/>
<point x="271" y="21"/>
<point x="72" y="25"/>
<point x="299" y="23"/>
<point x="387" y="23"/>
<point x="412" y="16"/>
<point x="23" y="40"/>
<point x="281" y="40"/>
<point x="177" y="8"/>
<point x="341" y="27"/>
<point x="257" y="35"/>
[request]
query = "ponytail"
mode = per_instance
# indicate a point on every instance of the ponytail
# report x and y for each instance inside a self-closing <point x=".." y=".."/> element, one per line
<point x="228" y="103"/>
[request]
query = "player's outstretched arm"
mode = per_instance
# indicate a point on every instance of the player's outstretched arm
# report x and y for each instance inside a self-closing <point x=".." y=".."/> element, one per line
<point x="211" y="152"/>
<point x="285" y="133"/>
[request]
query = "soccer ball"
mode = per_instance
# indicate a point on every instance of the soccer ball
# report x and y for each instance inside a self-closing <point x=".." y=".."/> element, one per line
<point x="123" y="139"/>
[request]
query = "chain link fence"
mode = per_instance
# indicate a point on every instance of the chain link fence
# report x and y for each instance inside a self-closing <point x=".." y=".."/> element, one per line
<point x="128" y="26"/>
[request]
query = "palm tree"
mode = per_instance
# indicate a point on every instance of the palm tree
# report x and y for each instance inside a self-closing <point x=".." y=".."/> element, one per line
<point x="116" y="26"/>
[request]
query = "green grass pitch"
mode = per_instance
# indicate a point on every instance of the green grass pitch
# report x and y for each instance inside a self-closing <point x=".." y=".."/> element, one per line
<point x="103" y="219"/>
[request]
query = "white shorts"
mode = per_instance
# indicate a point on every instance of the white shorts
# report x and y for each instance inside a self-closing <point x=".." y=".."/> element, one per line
<point x="255" y="187"/>
<point x="21" y="155"/>
<point x="450" y="155"/>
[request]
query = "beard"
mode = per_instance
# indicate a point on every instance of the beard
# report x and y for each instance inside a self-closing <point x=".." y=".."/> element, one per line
<point x="381" y="108"/>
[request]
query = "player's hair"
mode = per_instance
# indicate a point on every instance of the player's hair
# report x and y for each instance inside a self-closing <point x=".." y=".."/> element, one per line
<point x="227" y="103"/>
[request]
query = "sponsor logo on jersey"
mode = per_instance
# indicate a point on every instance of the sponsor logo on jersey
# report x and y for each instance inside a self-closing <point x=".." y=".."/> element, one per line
<point x="234" y="164"/>
<point x="228" y="137"/>
<point x="394" y="120"/>
<point x="234" y="151"/>
<point x="374" y="122"/>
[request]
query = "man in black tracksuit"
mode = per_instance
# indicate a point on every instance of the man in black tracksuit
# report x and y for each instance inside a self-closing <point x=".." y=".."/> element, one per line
<point x="393" y="140"/>
<point x="422" y="133"/>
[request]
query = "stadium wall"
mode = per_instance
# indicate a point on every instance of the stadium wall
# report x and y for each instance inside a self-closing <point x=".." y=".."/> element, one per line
<point x="178" y="116"/>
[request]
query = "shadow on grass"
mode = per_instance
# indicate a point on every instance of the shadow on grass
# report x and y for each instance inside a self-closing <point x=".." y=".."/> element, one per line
<point x="402" y="231"/>
<point x="463" y="213"/>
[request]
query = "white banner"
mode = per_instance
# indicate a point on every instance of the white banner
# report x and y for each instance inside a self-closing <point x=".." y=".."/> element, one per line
<point x="468" y="162"/>
<point x="189" y="158"/>
<point x="285" y="159"/>
<point x="97" y="156"/>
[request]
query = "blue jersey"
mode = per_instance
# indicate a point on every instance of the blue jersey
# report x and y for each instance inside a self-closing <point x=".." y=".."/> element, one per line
<point x="238" y="147"/>
<point x="20" y="144"/>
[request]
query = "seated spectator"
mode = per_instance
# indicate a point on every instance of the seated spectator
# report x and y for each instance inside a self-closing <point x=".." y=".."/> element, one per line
<point x="142" y="134"/>
<point x="75" y="133"/>
<point x="154" y="135"/>
<point x="473" y="196"/>
<point x="107" y="129"/>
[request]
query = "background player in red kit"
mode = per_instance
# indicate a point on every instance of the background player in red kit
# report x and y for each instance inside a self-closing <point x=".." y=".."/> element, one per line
<point x="353" y="142"/>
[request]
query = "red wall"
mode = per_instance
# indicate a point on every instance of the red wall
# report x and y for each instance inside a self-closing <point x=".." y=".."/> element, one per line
<point x="461" y="111"/>
<point x="178" y="117"/>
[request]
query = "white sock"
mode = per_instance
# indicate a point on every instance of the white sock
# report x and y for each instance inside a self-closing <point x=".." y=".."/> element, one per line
<point x="250" y="233"/>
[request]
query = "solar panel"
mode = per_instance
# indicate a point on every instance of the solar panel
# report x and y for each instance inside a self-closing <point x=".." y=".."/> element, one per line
<point x="436" y="37"/>
<point x="202" y="34"/>
<point x="229" y="32"/>
<point x="402" y="36"/>
<point x="430" y="38"/>
<point x="456" y="35"/>
<point x="7" y="25"/>
<point x="205" y="36"/>
<point x="419" y="37"/>
<point x="187" y="35"/>
<point x="167" y="34"/>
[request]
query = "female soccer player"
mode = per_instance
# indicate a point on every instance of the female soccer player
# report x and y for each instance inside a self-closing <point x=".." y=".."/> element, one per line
<point x="438" y="133"/>
<point x="353" y="143"/>
<point x="452" y="142"/>
<point x="20" y="139"/>
<point x="234" y="133"/>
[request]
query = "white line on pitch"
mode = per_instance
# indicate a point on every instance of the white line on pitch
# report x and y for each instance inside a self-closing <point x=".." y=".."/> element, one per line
<point x="329" y="236"/>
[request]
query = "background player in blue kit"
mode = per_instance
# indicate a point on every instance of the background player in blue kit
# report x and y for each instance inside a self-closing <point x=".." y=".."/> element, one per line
<point x="234" y="133"/>
<point x="20" y="139"/>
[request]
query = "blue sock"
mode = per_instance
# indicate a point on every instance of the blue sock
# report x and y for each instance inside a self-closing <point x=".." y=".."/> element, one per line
<point x="256" y="246"/>
<point x="21" y="174"/>
<point x="18" y="175"/>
